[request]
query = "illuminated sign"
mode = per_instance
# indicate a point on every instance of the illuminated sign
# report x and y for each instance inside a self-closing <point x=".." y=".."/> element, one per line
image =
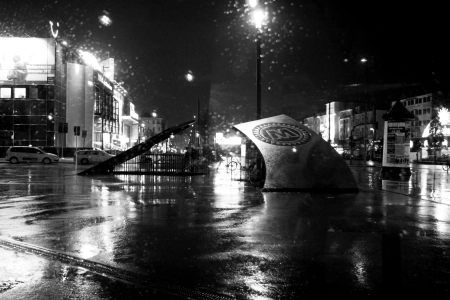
<point x="444" y="116"/>
<point x="54" y="33"/>
<point x="133" y="114"/>
<point x="26" y="60"/>
<point x="281" y="134"/>
<point x="232" y="140"/>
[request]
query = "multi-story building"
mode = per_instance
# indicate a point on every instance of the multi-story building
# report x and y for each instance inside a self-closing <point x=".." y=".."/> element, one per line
<point x="344" y="120"/>
<point x="32" y="92"/>
<point x="426" y="108"/>
<point x="152" y="124"/>
<point x="421" y="107"/>
<point x="48" y="92"/>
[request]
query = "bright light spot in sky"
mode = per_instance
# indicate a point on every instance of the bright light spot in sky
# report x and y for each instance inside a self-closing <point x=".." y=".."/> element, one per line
<point x="258" y="17"/>
<point x="253" y="3"/>
<point x="189" y="76"/>
<point x="105" y="19"/>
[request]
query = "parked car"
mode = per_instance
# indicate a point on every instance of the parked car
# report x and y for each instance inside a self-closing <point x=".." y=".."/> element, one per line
<point x="113" y="151"/>
<point x="18" y="154"/>
<point x="91" y="156"/>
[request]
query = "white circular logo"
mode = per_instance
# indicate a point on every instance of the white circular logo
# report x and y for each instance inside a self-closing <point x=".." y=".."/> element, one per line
<point x="281" y="134"/>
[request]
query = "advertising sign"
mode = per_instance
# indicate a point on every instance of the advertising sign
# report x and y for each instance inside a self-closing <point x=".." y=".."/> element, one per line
<point x="26" y="60"/>
<point x="396" y="145"/>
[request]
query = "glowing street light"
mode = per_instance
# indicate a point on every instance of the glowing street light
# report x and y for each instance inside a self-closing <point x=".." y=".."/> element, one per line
<point x="258" y="16"/>
<point x="105" y="19"/>
<point x="189" y="76"/>
<point x="90" y="59"/>
<point x="365" y="61"/>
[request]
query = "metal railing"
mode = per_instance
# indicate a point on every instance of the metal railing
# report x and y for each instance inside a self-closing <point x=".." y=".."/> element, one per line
<point x="164" y="164"/>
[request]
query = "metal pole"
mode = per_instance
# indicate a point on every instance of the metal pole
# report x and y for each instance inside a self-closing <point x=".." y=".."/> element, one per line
<point x="102" y="131"/>
<point x="365" y="117"/>
<point x="258" y="76"/>
<point x="329" y="122"/>
<point x="258" y="96"/>
<point x="198" y="124"/>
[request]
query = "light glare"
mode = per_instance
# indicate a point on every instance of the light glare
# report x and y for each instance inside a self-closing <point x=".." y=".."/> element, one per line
<point x="258" y="17"/>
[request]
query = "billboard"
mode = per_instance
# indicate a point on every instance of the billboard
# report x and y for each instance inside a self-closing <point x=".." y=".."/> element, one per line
<point x="396" y="144"/>
<point x="26" y="60"/>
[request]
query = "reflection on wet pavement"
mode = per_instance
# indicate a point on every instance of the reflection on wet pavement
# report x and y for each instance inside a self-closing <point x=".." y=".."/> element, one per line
<point x="215" y="233"/>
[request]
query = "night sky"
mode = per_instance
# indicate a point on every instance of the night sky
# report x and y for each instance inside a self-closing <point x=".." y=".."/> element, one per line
<point x="309" y="47"/>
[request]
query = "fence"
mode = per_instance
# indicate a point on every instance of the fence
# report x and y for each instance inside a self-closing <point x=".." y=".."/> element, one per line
<point x="164" y="164"/>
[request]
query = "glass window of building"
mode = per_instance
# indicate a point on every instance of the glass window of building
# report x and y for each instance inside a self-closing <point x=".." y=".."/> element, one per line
<point x="6" y="107"/>
<point x="22" y="108"/>
<point x="20" y="93"/>
<point x="5" y="92"/>
<point x="33" y="93"/>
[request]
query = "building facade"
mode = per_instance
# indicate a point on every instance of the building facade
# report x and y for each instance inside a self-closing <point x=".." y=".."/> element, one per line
<point x="32" y="93"/>
<point x="50" y="97"/>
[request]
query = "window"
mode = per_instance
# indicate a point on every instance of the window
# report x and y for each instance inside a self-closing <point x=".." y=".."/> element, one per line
<point x="5" y="92"/>
<point x="22" y="107"/>
<point x="6" y="107"/>
<point x="33" y="92"/>
<point x="20" y="93"/>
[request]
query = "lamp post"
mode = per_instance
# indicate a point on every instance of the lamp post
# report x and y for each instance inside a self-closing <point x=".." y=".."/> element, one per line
<point x="190" y="77"/>
<point x="258" y="18"/>
<point x="366" y="62"/>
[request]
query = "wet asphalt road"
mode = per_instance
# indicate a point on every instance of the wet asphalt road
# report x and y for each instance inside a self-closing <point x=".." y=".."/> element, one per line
<point x="213" y="236"/>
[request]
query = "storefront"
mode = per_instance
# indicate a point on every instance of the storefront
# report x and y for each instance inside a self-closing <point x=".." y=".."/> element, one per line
<point x="29" y="106"/>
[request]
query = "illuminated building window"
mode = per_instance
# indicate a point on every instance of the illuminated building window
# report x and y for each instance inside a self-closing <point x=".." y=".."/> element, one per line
<point x="20" y="93"/>
<point x="5" y="92"/>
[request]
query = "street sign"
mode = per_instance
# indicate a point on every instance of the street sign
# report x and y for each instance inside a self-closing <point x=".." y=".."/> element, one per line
<point x="76" y="130"/>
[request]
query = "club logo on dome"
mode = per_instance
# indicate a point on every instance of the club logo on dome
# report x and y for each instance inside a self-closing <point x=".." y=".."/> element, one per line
<point x="281" y="134"/>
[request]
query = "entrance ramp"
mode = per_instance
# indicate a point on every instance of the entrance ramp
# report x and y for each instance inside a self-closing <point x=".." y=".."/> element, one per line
<point x="107" y="166"/>
<point x="296" y="158"/>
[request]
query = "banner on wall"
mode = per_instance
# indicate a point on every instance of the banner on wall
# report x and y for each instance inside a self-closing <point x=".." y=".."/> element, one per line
<point x="396" y="144"/>
<point x="26" y="60"/>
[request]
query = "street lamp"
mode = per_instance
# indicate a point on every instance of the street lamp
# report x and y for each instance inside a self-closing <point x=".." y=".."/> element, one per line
<point x="366" y="62"/>
<point x="258" y="16"/>
<point x="105" y="19"/>
<point x="190" y="77"/>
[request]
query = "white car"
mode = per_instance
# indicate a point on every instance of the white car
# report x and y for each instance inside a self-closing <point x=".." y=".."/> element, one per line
<point x="18" y="154"/>
<point x="91" y="156"/>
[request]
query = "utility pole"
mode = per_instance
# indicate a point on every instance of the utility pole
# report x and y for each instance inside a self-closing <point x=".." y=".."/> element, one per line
<point x="365" y="113"/>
